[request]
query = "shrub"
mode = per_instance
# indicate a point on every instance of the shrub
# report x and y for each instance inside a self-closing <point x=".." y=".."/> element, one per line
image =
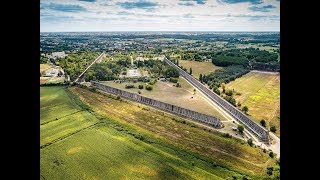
<point x="174" y="80"/>
<point x="140" y="86"/>
<point x="178" y="85"/>
<point x="128" y="86"/>
<point x="245" y="109"/>
<point x="229" y="92"/>
<point x="250" y="142"/>
<point x="240" y="128"/>
<point x="271" y="154"/>
<point x="118" y="97"/>
<point x="227" y="135"/>
<point x="273" y="128"/>
<point x="263" y="123"/>
<point x="149" y="87"/>
<point x="269" y="170"/>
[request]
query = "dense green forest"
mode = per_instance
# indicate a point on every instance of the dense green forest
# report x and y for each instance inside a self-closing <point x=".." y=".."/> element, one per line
<point x="223" y="75"/>
<point x="75" y="64"/>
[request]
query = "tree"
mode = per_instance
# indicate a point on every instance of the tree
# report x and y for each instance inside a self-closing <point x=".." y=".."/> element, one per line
<point x="194" y="91"/>
<point x="148" y="87"/>
<point x="263" y="123"/>
<point x="200" y="77"/>
<point x="190" y="71"/>
<point x="271" y="154"/>
<point x="223" y="87"/>
<point x="140" y="86"/>
<point x="273" y="128"/>
<point x="245" y="109"/>
<point x="229" y="92"/>
<point x="240" y="128"/>
<point x="250" y="142"/>
<point x="269" y="170"/>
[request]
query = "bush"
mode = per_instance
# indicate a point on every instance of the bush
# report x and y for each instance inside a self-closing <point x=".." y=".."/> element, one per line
<point x="174" y="80"/>
<point x="129" y="86"/>
<point x="229" y="92"/>
<point x="227" y="135"/>
<point x="140" y="86"/>
<point x="273" y="129"/>
<point x="263" y="123"/>
<point x="240" y="128"/>
<point x="269" y="170"/>
<point x="178" y="85"/>
<point x="250" y="142"/>
<point x="271" y="154"/>
<point x="245" y="109"/>
<point x="118" y="97"/>
<point x="148" y="87"/>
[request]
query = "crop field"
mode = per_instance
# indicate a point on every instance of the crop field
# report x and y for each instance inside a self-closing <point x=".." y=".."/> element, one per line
<point x="182" y="96"/>
<point x="260" y="92"/>
<point x="198" y="67"/>
<point x="122" y="140"/>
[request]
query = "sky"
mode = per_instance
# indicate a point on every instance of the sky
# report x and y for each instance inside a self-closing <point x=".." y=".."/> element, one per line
<point x="159" y="15"/>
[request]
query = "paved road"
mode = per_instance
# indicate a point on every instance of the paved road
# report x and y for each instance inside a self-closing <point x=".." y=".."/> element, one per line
<point x="97" y="59"/>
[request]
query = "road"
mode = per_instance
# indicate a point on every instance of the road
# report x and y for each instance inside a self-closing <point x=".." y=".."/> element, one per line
<point x="97" y="59"/>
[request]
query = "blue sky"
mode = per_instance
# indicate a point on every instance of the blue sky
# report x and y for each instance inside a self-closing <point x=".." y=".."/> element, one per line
<point x="159" y="15"/>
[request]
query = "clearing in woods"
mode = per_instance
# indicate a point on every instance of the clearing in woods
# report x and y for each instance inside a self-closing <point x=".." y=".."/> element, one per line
<point x="180" y="96"/>
<point x="44" y="67"/>
<point x="260" y="92"/>
<point x="198" y="67"/>
<point x="93" y="136"/>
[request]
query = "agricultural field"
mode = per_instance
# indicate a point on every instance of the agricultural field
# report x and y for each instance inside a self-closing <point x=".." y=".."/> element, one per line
<point x="198" y="67"/>
<point x="93" y="136"/>
<point x="260" y="92"/>
<point x="181" y="96"/>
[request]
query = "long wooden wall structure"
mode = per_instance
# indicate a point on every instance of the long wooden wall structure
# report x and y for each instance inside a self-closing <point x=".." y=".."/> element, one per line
<point x="261" y="132"/>
<point x="204" y="118"/>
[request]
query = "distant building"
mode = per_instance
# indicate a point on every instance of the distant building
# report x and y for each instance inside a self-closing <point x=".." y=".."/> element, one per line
<point x="139" y="59"/>
<point x="59" y="54"/>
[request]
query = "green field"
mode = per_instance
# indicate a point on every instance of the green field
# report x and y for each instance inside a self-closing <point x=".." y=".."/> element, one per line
<point x="260" y="91"/>
<point x="114" y="139"/>
<point x="166" y="92"/>
<point x="198" y="67"/>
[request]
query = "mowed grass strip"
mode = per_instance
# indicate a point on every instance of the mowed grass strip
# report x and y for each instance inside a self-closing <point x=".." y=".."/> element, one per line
<point x="260" y="92"/>
<point x="233" y="153"/>
<point x="115" y="150"/>
<point x="182" y="96"/>
<point x="198" y="67"/>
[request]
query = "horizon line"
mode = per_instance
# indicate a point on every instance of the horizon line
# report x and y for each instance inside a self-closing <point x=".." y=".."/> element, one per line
<point x="158" y="31"/>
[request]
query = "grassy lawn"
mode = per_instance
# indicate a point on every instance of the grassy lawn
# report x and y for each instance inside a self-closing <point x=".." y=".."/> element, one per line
<point x="166" y="92"/>
<point x="261" y="93"/>
<point x="198" y="67"/>
<point x="117" y="139"/>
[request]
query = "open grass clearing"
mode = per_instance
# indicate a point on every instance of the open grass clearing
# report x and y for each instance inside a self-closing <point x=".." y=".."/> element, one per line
<point x="180" y="96"/>
<point x="260" y="92"/>
<point x="198" y="67"/>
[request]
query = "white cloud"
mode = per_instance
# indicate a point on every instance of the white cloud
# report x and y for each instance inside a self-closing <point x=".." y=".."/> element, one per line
<point x="167" y="15"/>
